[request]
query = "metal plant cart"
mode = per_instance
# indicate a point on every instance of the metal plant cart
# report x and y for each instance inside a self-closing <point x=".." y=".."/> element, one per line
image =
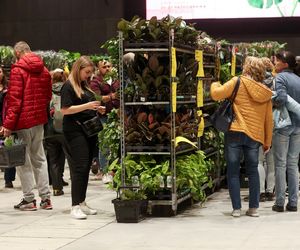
<point x="167" y="49"/>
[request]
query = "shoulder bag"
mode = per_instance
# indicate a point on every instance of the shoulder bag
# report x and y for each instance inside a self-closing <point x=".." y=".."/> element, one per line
<point x="92" y="126"/>
<point x="222" y="118"/>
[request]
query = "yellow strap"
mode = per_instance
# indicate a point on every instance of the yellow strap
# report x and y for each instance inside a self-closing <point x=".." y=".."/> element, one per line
<point x="200" y="94"/>
<point x="201" y="127"/>
<point x="174" y="95"/>
<point x="174" y="62"/>
<point x="199" y="59"/>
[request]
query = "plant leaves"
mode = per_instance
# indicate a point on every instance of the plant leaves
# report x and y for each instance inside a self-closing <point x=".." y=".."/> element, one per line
<point x="269" y="3"/>
<point x="256" y="3"/>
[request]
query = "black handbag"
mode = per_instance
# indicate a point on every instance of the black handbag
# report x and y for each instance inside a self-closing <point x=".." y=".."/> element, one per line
<point x="92" y="126"/>
<point x="222" y="118"/>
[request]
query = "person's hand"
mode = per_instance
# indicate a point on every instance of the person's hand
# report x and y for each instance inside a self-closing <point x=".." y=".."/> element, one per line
<point x="266" y="149"/>
<point x="94" y="105"/>
<point x="218" y="83"/>
<point x="102" y="110"/>
<point x="114" y="96"/>
<point x="106" y="98"/>
<point x="6" y="132"/>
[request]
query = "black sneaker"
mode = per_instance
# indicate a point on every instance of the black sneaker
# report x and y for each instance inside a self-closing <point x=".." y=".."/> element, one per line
<point x="262" y="197"/>
<point x="46" y="204"/>
<point x="65" y="183"/>
<point x="95" y="167"/>
<point x="291" y="208"/>
<point x="26" y="206"/>
<point x="246" y="198"/>
<point x="277" y="208"/>
<point x="58" y="192"/>
<point x="9" y="184"/>
<point x="270" y="196"/>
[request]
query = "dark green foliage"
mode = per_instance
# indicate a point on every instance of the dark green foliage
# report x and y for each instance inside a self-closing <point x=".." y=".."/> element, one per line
<point x="191" y="170"/>
<point x="154" y="30"/>
<point x="109" y="137"/>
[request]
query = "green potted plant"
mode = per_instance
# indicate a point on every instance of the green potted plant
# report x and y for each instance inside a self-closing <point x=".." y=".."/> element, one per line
<point x="131" y="202"/>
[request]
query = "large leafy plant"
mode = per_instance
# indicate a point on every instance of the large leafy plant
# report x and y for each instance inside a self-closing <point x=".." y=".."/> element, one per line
<point x="155" y="30"/>
<point x="145" y="167"/>
<point x="192" y="173"/>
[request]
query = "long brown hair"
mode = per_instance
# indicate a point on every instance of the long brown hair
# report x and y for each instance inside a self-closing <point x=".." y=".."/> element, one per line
<point x="74" y="77"/>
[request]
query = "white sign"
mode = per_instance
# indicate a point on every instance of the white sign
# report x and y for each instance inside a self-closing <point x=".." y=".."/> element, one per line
<point x="197" y="9"/>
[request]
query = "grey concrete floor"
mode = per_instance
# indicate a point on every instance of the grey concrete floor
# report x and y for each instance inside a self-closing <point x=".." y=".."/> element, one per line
<point x="208" y="226"/>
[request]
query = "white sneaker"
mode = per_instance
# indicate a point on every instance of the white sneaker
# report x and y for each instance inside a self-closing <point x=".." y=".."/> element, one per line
<point x="77" y="213"/>
<point x="236" y="213"/>
<point x="86" y="209"/>
<point x="107" y="178"/>
<point x="252" y="212"/>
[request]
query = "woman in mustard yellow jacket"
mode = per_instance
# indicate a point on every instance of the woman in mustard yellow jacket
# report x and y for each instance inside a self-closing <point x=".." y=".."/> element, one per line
<point x="251" y="128"/>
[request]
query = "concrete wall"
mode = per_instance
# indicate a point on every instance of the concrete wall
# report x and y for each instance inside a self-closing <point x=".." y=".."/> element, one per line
<point x="59" y="24"/>
<point x="84" y="25"/>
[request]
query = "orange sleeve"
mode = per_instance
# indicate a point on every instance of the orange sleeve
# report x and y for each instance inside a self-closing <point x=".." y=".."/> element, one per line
<point x="220" y="92"/>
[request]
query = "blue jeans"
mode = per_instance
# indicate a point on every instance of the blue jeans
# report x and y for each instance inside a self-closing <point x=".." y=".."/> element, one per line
<point x="236" y="145"/>
<point x="286" y="148"/>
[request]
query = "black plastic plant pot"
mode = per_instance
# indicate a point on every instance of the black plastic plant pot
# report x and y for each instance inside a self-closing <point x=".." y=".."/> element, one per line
<point x="130" y="211"/>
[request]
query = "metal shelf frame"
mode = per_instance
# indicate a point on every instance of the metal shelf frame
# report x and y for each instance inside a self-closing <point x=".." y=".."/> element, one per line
<point x="165" y="47"/>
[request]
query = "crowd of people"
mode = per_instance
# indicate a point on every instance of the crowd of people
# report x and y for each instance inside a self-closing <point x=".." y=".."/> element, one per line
<point x="270" y="152"/>
<point x="47" y="109"/>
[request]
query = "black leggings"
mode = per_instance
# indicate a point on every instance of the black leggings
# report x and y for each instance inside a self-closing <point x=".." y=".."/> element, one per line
<point x="81" y="149"/>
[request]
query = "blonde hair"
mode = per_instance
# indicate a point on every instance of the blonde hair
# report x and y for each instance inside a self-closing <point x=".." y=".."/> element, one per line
<point x="74" y="77"/>
<point x="254" y="68"/>
<point x="22" y="47"/>
<point x="269" y="66"/>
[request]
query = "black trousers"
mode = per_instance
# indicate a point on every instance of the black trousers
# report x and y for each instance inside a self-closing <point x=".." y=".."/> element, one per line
<point x="57" y="151"/>
<point x="82" y="151"/>
<point x="9" y="174"/>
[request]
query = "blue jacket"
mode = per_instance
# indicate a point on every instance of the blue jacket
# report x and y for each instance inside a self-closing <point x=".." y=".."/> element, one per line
<point x="287" y="83"/>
